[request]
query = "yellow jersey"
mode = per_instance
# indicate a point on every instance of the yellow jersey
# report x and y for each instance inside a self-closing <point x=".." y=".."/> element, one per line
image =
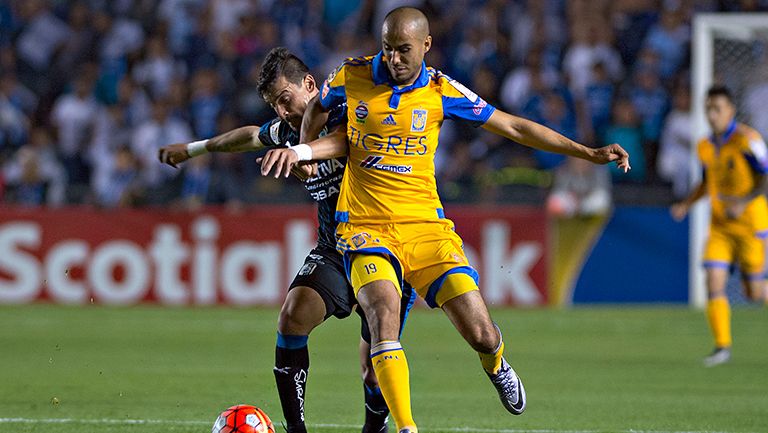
<point x="393" y="134"/>
<point x="733" y="164"/>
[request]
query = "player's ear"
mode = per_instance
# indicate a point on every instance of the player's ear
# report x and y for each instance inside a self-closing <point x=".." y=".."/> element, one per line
<point x="427" y="43"/>
<point x="309" y="83"/>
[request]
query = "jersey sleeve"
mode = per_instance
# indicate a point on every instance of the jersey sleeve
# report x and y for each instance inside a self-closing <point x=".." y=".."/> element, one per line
<point x="274" y="133"/>
<point x="333" y="92"/>
<point x="336" y="116"/>
<point x="460" y="103"/>
<point x="757" y="155"/>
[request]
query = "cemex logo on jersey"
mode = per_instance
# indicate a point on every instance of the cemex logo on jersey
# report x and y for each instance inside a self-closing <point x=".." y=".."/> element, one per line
<point x="373" y="162"/>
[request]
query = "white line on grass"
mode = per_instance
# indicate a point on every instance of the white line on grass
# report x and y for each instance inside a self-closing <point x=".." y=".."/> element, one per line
<point x="321" y="426"/>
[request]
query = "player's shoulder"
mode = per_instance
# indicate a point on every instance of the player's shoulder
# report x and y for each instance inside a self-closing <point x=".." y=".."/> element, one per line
<point x="747" y="133"/>
<point x="351" y="66"/>
<point x="275" y="132"/>
<point x="356" y="63"/>
<point x="449" y="87"/>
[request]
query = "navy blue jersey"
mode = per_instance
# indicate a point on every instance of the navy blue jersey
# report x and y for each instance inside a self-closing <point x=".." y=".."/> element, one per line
<point x="324" y="188"/>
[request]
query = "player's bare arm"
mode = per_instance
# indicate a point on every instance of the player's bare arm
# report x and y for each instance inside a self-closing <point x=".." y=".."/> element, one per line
<point x="242" y="139"/>
<point x="281" y="161"/>
<point x="538" y="136"/>
<point x="680" y="209"/>
<point x="313" y="121"/>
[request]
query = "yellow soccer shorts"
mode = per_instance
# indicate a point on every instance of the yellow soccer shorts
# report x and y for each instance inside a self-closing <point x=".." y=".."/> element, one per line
<point x="428" y="256"/>
<point x="735" y="244"/>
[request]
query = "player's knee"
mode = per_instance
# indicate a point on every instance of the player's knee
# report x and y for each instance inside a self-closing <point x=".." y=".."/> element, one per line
<point x="482" y="338"/>
<point x="299" y="315"/>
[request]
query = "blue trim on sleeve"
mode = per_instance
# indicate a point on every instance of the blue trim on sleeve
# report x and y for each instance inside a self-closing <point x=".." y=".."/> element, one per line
<point x="438" y="283"/>
<point x="291" y="341"/>
<point x="461" y="108"/>
<point x="440" y="213"/>
<point x="716" y="264"/>
<point x="342" y="216"/>
<point x="758" y="166"/>
<point x="762" y="234"/>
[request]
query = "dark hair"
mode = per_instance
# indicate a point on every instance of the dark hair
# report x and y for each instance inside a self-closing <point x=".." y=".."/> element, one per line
<point x="280" y="63"/>
<point x="720" y="90"/>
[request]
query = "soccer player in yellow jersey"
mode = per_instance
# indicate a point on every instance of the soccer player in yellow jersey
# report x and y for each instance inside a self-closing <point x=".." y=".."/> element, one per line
<point x="392" y="225"/>
<point x="735" y="162"/>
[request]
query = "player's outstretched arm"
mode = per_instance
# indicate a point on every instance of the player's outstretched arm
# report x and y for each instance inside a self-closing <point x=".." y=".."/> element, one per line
<point x="238" y="140"/>
<point x="313" y="122"/>
<point x="279" y="162"/>
<point x="538" y="136"/>
<point x="680" y="209"/>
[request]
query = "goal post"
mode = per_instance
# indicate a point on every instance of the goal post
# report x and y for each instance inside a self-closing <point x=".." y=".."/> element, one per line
<point x="729" y="49"/>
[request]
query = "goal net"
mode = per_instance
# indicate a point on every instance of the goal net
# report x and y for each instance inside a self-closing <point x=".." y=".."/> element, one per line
<point x="728" y="49"/>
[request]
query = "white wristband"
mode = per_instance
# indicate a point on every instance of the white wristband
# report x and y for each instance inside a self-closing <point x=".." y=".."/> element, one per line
<point x="303" y="151"/>
<point x="196" y="148"/>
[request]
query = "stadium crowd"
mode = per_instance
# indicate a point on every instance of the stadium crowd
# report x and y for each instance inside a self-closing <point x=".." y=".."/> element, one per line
<point x="90" y="89"/>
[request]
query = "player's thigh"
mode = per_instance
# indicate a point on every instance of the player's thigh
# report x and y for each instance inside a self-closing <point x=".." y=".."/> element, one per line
<point x="719" y="249"/>
<point x="436" y="263"/>
<point x="320" y="289"/>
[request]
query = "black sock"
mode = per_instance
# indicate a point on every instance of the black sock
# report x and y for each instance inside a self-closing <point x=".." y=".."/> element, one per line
<point x="291" y="371"/>
<point x="376" y="411"/>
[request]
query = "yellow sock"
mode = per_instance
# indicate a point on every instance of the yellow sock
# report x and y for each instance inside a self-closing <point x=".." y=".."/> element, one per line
<point x="492" y="361"/>
<point x="391" y="369"/>
<point x="719" y="317"/>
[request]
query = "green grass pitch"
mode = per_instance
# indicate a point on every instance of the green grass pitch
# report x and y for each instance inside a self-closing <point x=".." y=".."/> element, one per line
<point x="151" y="369"/>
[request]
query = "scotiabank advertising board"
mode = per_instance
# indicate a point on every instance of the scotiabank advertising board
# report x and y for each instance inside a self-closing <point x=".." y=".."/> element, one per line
<point x="215" y="256"/>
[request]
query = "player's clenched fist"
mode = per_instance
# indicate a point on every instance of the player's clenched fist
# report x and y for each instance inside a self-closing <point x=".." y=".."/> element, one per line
<point x="173" y="154"/>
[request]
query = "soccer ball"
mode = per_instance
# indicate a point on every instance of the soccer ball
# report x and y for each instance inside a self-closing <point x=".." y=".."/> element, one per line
<point x="243" y="418"/>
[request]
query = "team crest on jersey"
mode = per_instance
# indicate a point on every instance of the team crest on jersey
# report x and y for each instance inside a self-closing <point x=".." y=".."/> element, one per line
<point x="418" y="120"/>
<point x="361" y="112"/>
<point x="360" y="239"/>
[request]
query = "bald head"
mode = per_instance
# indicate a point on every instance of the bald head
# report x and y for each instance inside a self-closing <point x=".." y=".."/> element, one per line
<point x="408" y="20"/>
<point x="404" y="41"/>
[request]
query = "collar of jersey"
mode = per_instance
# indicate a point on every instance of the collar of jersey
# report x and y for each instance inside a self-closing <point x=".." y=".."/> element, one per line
<point x="726" y="136"/>
<point x="381" y="75"/>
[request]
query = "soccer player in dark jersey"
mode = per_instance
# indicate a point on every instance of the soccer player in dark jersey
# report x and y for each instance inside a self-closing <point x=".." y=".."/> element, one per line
<point x="320" y="288"/>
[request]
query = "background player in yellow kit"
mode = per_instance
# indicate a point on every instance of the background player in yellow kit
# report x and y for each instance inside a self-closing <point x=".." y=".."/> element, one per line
<point x="735" y="161"/>
<point x="392" y="226"/>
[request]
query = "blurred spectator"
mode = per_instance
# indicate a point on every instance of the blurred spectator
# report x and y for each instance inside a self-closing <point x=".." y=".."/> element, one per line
<point x="517" y="86"/>
<point x="206" y="103"/>
<point x="625" y="129"/>
<point x="42" y="35"/>
<point x="669" y="38"/>
<point x="558" y="116"/>
<point x="673" y="163"/>
<point x="158" y="68"/>
<point x="73" y="117"/>
<point x="14" y="124"/>
<point x="34" y="176"/>
<point x="650" y="100"/>
<point x="121" y="184"/>
<point x="196" y="182"/>
<point x="580" y="189"/>
<point x="159" y="130"/>
<point x="599" y="99"/>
